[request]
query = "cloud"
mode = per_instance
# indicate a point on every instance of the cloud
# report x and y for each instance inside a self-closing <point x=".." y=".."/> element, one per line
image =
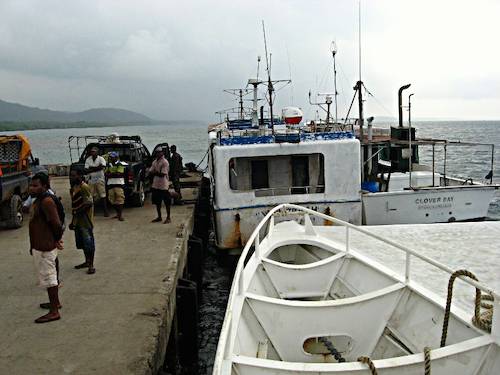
<point x="171" y="59"/>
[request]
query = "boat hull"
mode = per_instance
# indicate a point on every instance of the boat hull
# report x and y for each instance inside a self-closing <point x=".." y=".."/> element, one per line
<point x="426" y="206"/>
<point x="234" y="226"/>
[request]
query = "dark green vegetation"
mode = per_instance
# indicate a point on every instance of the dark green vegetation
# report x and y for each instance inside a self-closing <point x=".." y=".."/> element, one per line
<point x="33" y="125"/>
<point x="20" y="117"/>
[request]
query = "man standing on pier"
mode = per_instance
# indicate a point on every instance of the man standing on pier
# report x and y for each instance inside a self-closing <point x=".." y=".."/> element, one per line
<point x="45" y="232"/>
<point x="115" y="174"/>
<point x="94" y="167"/>
<point x="176" y="171"/>
<point x="159" y="189"/>
<point x="83" y="219"/>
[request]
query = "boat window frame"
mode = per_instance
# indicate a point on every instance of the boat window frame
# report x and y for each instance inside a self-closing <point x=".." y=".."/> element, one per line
<point x="319" y="187"/>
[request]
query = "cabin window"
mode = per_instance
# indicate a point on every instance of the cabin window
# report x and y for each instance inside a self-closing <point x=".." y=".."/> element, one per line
<point x="260" y="174"/>
<point x="278" y="175"/>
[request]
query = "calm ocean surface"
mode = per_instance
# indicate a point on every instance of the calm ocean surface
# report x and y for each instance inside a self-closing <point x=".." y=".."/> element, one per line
<point x="51" y="146"/>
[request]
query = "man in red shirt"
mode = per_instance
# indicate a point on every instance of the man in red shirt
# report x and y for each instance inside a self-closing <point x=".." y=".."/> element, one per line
<point x="46" y="232"/>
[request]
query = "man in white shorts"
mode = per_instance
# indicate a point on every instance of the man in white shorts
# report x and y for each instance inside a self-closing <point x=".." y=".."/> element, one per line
<point x="94" y="167"/>
<point x="46" y="232"/>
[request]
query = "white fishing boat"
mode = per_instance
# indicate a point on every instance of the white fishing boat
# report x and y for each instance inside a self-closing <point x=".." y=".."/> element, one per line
<point x="396" y="187"/>
<point x="399" y="189"/>
<point x="307" y="302"/>
<point x="256" y="163"/>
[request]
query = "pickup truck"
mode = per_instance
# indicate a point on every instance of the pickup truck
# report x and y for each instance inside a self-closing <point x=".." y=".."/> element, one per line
<point x="17" y="166"/>
<point x="131" y="151"/>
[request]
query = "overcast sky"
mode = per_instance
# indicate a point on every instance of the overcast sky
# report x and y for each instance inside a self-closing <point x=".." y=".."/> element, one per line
<point x="172" y="59"/>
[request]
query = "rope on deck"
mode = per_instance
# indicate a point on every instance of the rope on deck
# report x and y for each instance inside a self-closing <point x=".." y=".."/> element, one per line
<point x="480" y="320"/>
<point x="367" y="361"/>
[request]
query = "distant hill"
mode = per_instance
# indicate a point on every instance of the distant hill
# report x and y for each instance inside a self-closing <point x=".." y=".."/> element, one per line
<point x="13" y="112"/>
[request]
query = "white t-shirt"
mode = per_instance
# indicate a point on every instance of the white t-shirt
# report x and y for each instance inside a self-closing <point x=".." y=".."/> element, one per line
<point x="98" y="176"/>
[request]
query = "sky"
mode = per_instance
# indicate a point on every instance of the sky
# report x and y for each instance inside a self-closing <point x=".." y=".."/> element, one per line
<point x="171" y="60"/>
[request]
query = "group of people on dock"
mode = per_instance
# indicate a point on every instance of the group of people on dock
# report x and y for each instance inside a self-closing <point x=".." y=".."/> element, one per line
<point x="99" y="181"/>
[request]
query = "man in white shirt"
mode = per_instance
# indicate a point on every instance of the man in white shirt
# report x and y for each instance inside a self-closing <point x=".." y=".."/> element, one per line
<point x="94" y="168"/>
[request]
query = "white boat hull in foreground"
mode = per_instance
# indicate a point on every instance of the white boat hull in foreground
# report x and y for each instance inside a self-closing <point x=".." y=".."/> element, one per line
<point x="306" y="302"/>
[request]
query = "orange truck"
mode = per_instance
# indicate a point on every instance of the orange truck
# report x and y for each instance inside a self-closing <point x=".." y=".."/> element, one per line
<point x="17" y="165"/>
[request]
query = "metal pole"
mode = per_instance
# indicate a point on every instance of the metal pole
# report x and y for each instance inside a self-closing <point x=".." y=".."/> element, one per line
<point x="444" y="166"/>
<point x="492" y="162"/>
<point x="334" y="52"/>
<point x="360" y="105"/>
<point x="433" y="165"/>
<point x="409" y="135"/>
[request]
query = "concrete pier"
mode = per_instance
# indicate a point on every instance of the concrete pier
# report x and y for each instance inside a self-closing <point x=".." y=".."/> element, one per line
<point x="116" y="321"/>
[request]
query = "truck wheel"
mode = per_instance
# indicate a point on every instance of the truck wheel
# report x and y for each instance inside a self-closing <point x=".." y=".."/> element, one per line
<point x="139" y="198"/>
<point x="15" y="219"/>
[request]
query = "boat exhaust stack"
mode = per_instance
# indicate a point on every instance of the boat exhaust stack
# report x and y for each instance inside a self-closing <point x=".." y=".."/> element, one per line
<point x="400" y="103"/>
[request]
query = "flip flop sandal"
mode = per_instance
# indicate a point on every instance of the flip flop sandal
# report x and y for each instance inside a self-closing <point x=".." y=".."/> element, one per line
<point x="46" y="305"/>
<point x="47" y="318"/>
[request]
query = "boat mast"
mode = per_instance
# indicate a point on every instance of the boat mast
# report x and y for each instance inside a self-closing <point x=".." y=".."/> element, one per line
<point x="359" y="86"/>
<point x="269" y="82"/>
<point x="334" y="53"/>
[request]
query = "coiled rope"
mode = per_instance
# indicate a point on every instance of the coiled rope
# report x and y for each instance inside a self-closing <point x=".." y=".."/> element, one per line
<point x="480" y="320"/>
<point x="367" y="361"/>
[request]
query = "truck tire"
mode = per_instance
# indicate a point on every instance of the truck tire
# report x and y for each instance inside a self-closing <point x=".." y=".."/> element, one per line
<point x="139" y="197"/>
<point x="16" y="218"/>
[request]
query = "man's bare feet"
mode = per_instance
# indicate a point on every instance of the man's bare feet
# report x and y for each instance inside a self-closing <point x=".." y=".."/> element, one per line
<point x="121" y="218"/>
<point x="157" y="220"/>
<point x="167" y="220"/>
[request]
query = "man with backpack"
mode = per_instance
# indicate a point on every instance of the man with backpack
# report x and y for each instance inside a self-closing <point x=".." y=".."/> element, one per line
<point x="83" y="219"/>
<point x="46" y="230"/>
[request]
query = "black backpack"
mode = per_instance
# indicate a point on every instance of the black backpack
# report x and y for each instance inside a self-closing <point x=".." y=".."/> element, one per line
<point x="59" y="205"/>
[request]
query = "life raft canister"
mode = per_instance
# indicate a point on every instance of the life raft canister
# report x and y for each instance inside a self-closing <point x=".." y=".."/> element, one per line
<point x="292" y="115"/>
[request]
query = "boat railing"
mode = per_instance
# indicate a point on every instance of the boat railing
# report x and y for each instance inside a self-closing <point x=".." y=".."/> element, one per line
<point x="254" y="241"/>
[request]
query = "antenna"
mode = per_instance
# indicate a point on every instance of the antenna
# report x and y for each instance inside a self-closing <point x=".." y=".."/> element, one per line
<point x="269" y="82"/>
<point x="333" y="48"/>
<point x="359" y="36"/>
<point x="258" y="66"/>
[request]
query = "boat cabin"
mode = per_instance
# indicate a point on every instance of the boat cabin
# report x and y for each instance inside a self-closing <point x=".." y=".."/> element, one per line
<point x="253" y="170"/>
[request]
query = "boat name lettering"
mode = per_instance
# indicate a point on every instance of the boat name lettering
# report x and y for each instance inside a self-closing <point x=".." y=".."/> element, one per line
<point x="437" y="200"/>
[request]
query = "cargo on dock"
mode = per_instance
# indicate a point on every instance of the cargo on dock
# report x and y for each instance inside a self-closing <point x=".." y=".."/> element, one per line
<point x="117" y="321"/>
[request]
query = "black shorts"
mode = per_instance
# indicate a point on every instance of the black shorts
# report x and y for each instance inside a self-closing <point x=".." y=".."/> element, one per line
<point x="158" y="196"/>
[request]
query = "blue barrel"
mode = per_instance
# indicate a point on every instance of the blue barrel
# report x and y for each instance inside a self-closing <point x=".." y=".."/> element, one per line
<point x="371" y="186"/>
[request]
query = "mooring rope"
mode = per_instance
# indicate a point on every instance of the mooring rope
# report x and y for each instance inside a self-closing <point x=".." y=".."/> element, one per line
<point x="332" y="349"/>
<point x="480" y="320"/>
<point x="367" y="361"/>
<point x="427" y="360"/>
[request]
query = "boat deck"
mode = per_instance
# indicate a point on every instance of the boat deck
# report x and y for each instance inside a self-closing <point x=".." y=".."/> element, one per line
<point x="471" y="245"/>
